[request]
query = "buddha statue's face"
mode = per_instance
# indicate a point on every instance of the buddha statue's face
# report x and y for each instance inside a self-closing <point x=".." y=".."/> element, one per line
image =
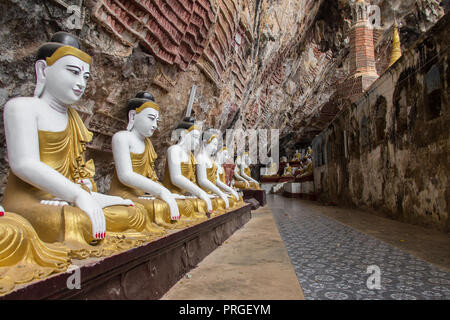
<point x="192" y="139"/>
<point x="146" y="122"/>
<point x="66" y="79"/>
<point x="212" y="146"/>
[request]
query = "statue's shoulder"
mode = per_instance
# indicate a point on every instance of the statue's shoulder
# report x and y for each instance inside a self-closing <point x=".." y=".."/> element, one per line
<point x="201" y="158"/>
<point x="25" y="106"/>
<point x="121" y="138"/>
<point x="121" y="135"/>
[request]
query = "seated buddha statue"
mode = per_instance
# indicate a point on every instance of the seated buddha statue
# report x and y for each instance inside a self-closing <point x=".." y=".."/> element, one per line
<point x="50" y="183"/>
<point x="179" y="175"/>
<point x="307" y="168"/>
<point x="271" y="169"/>
<point x="297" y="156"/>
<point x="239" y="182"/>
<point x="234" y="197"/>
<point x="23" y="256"/>
<point x="245" y="172"/>
<point x="207" y="169"/>
<point x="287" y="171"/>
<point x="135" y="177"/>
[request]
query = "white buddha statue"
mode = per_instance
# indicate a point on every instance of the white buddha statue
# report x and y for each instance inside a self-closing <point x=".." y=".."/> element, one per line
<point x="135" y="177"/>
<point x="297" y="156"/>
<point x="239" y="182"/>
<point x="245" y="171"/>
<point x="271" y="169"/>
<point x="50" y="183"/>
<point x="180" y="175"/>
<point x="207" y="169"/>
<point x="287" y="171"/>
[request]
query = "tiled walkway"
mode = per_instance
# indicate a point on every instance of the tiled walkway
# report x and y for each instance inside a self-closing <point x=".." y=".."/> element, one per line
<point x="331" y="259"/>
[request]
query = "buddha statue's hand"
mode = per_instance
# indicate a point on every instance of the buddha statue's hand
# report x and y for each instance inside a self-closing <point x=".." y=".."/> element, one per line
<point x="108" y="201"/>
<point x="168" y="197"/>
<point x="204" y="196"/>
<point x="225" y="198"/>
<point x="86" y="182"/>
<point x="90" y="206"/>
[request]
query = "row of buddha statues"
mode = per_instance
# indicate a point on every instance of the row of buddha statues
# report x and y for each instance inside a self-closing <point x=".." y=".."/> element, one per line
<point x="53" y="212"/>
<point x="303" y="166"/>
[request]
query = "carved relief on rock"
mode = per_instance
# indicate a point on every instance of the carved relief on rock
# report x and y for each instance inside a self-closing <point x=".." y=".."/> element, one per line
<point x="176" y="32"/>
<point x="217" y="54"/>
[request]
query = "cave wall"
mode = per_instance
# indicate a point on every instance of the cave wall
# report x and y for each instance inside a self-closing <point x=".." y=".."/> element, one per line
<point x="390" y="151"/>
<point x="257" y="63"/>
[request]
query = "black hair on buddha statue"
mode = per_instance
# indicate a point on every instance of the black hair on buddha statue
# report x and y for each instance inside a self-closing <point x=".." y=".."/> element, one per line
<point x="145" y="95"/>
<point x="186" y="123"/>
<point x="141" y="98"/>
<point x="59" y="39"/>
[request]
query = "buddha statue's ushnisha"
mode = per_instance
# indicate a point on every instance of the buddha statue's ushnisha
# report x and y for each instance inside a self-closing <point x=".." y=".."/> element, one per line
<point x="50" y="182"/>
<point x="23" y="256"/>
<point x="179" y="175"/>
<point x="135" y="177"/>
<point x="221" y="157"/>
<point x="207" y="170"/>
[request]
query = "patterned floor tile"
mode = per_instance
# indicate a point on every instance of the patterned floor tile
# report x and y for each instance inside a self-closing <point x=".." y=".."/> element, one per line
<point x="331" y="260"/>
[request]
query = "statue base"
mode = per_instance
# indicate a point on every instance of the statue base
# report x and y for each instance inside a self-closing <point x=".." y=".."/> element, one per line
<point x="259" y="195"/>
<point x="146" y="272"/>
<point x="302" y="188"/>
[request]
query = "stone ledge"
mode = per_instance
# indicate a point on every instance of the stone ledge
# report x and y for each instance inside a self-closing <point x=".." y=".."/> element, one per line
<point x="259" y="195"/>
<point x="145" y="272"/>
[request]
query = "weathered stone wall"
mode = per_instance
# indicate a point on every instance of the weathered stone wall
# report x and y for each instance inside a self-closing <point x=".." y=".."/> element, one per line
<point x="390" y="151"/>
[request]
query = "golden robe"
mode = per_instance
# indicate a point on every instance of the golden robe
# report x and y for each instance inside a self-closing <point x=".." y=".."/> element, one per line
<point x="158" y="210"/>
<point x="23" y="256"/>
<point x="64" y="152"/>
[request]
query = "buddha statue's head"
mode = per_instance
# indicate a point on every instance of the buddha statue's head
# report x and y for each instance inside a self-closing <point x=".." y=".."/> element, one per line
<point x="143" y="114"/>
<point x="189" y="134"/>
<point x="222" y="155"/>
<point x="62" y="69"/>
<point x="210" y="142"/>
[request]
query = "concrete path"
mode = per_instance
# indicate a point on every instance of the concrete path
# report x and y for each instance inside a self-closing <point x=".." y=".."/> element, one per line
<point x="251" y="264"/>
